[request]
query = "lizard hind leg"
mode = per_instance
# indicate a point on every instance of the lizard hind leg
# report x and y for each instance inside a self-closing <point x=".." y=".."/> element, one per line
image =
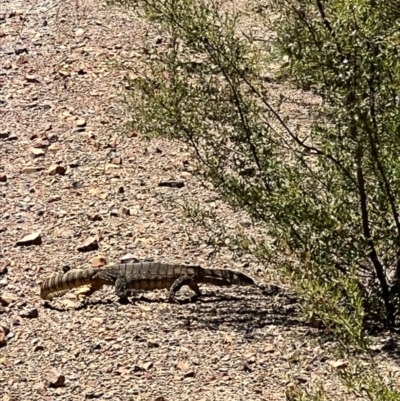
<point x="179" y="283"/>
<point x="93" y="289"/>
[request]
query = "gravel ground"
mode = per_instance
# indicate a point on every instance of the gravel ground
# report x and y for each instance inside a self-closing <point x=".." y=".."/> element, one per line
<point x="67" y="177"/>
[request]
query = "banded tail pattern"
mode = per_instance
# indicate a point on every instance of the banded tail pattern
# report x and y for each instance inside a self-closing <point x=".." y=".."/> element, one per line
<point x="58" y="285"/>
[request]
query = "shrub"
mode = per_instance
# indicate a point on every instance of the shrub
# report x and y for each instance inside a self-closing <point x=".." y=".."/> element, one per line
<point x="326" y="190"/>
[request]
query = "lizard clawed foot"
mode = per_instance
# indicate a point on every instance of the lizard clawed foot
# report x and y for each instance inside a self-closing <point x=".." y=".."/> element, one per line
<point x="195" y="298"/>
<point x="172" y="300"/>
<point x="123" y="300"/>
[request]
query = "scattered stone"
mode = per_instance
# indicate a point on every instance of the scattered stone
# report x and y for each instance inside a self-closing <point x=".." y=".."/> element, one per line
<point x="113" y="154"/>
<point x="110" y="166"/>
<point x="3" y="178"/>
<point x="3" y="339"/>
<point x="79" y="32"/>
<point x="7" y="298"/>
<point x="269" y="349"/>
<point x="122" y="371"/>
<point x="54" y="378"/>
<point x="121" y="190"/>
<point x="147" y="365"/>
<point x="4" y="134"/>
<point x="3" y="310"/>
<point x="40" y="386"/>
<point x="126" y="211"/>
<point x="56" y="169"/>
<point x="54" y="147"/>
<point x="340" y="364"/>
<point x="22" y="60"/>
<point x="94" y="191"/>
<point x="41" y="143"/>
<point x="186" y="175"/>
<point x="76" y="184"/>
<point x="94" y="217"/>
<point x="31" y="78"/>
<point x="152" y="343"/>
<point x="5" y="328"/>
<point x="6" y="362"/>
<point x="135" y="210"/>
<point x="146" y="308"/>
<point x="30" y="313"/>
<point x="129" y="258"/>
<point x="116" y="160"/>
<point x="247" y="367"/>
<point x="4" y="268"/>
<point x="54" y="198"/>
<point x="137" y="368"/>
<point x="183" y="366"/>
<point x="114" y="213"/>
<point x="90" y="244"/>
<point x="31" y="169"/>
<point x="16" y="322"/>
<point x="78" y="129"/>
<point x="92" y="394"/>
<point x="21" y="50"/>
<point x="37" y="152"/>
<point x="171" y="184"/>
<point x="99" y="261"/>
<point x="113" y="142"/>
<point x="81" y="123"/>
<point x="31" y="239"/>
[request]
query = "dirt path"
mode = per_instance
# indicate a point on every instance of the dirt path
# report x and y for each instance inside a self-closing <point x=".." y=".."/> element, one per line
<point x="59" y="107"/>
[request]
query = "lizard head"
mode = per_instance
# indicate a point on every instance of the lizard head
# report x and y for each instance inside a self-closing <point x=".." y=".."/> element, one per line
<point x="238" y="278"/>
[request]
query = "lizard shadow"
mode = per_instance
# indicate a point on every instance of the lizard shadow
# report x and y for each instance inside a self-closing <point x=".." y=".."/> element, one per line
<point x="241" y="310"/>
<point x="132" y="301"/>
<point x="82" y="306"/>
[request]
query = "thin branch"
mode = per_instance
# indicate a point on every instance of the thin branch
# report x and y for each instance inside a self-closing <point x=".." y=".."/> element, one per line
<point x="375" y="155"/>
<point x="293" y="136"/>
<point x="367" y="233"/>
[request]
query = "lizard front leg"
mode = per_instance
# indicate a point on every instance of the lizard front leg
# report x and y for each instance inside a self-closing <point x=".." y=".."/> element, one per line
<point x="121" y="289"/>
<point x="179" y="283"/>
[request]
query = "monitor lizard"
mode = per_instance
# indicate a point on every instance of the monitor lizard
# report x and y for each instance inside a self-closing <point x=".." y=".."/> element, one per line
<point x="146" y="276"/>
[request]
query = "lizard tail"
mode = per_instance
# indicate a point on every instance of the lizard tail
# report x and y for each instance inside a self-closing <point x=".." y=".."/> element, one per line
<point x="58" y="285"/>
